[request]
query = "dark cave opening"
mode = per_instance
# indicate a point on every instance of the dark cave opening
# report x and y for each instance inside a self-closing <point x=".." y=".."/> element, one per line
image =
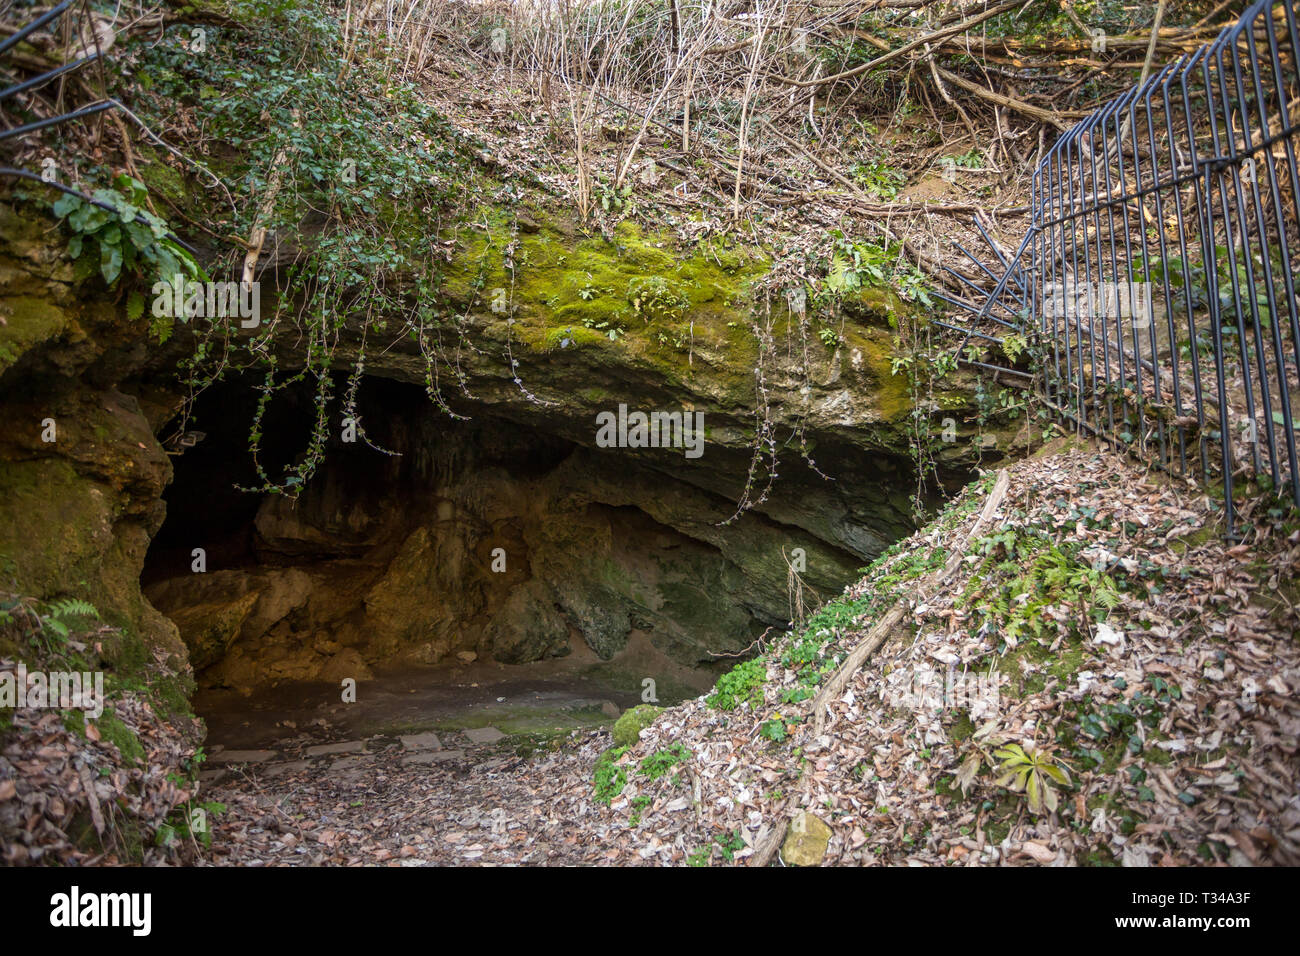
<point x="475" y="542"/>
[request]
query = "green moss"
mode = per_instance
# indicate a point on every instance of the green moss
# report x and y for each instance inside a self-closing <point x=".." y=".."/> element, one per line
<point x="875" y="350"/>
<point x="1100" y="857"/>
<point x="162" y="180"/>
<point x="121" y="736"/>
<point x="1193" y="540"/>
<point x="657" y="299"/>
<point x="28" y="322"/>
<point x="1070" y="658"/>
<point x="49" y="495"/>
<point x="74" y="721"/>
<point x="569" y="337"/>
<point x="873" y="305"/>
<point x="963" y="728"/>
<point x="627" y="729"/>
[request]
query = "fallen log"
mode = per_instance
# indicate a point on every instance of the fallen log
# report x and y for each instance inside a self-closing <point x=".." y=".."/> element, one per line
<point x="883" y="627"/>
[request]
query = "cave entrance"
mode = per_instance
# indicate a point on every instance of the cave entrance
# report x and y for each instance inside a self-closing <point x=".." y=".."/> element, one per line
<point x="478" y="570"/>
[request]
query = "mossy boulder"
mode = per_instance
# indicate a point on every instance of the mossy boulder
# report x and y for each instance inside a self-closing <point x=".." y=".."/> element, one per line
<point x="81" y="472"/>
<point x="627" y="729"/>
<point x="806" y="841"/>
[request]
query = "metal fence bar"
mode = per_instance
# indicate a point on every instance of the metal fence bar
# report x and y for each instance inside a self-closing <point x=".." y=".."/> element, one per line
<point x="8" y="172"/>
<point x="1159" y="274"/>
<point x="35" y="25"/>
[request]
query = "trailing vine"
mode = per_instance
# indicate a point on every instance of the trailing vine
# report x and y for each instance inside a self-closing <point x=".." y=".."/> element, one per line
<point x="917" y="358"/>
<point x="373" y="180"/>
<point x="378" y="183"/>
<point x="814" y="289"/>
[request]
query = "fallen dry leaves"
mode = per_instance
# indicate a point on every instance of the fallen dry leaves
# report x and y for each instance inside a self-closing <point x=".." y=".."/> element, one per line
<point x="1198" y="649"/>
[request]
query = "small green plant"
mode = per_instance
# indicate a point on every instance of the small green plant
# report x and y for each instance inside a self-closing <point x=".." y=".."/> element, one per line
<point x="654" y="299"/>
<point x="699" y="857"/>
<point x="661" y="761"/>
<point x="57" y="619"/>
<point x="742" y="684"/>
<point x="609" y="778"/>
<point x="1014" y="346"/>
<point x="66" y="609"/>
<point x="116" y="235"/>
<point x="1032" y="773"/>
<point x="614" y="200"/>
<point x="638" y="807"/>
<point x="608" y="329"/>
<point x="190" y="821"/>
<point x="1025" y="571"/>
<point x="730" y="844"/>
<point x="879" y="179"/>
<point x="794" y="695"/>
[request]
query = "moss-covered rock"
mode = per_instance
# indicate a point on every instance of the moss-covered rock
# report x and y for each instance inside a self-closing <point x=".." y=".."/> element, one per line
<point x="805" y="841"/>
<point x="627" y="729"/>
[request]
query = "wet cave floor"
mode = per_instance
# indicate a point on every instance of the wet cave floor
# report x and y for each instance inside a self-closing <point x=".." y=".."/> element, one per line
<point x="530" y="702"/>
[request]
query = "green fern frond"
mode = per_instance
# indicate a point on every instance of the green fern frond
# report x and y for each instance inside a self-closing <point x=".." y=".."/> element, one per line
<point x="71" y="607"/>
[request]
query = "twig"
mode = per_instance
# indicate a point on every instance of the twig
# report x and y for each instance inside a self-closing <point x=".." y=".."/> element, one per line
<point x="883" y="627"/>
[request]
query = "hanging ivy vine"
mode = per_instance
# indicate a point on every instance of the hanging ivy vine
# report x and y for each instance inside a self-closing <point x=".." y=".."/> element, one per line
<point x="320" y="142"/>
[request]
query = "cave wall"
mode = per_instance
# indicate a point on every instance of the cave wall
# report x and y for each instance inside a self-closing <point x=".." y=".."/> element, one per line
<point x="81" y="473"/>
<point x="388" y="559"/>
<point x="480" y="537"/>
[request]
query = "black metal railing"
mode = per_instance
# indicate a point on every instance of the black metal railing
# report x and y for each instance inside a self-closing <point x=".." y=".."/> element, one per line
<point x="78" y="12"/>
<point x="44" y="20"/>
<point x="1158" y="276"/>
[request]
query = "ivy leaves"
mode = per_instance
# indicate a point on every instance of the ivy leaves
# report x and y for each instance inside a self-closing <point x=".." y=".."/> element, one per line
<point x="319" y="131"/>
<point x="113" y="235"/>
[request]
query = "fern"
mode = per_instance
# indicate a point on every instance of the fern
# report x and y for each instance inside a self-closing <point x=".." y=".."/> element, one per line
<point x="56" y="614"/>
<point x="71" y="607"/>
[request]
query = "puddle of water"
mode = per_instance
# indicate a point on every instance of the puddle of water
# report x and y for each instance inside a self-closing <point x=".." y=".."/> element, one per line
<point x="539" y="698"/>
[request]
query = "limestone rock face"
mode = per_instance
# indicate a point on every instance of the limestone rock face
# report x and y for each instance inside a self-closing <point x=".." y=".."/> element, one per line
<point x="528" y="628"/>
<point x="514" y="535"/>
<point x="497" y="539"/>
<point x="806" y="841"/>
<point x="213" y="610"/>
<point x="209" y="628"/>
<point x="474" y="560"/>
<point x="81" y="473"/>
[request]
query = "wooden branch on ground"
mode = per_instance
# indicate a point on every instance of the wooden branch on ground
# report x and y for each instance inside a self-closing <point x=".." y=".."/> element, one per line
<point x="837" y="682"/>
<point x="884" y="627"/>
<point x="879" y="61"/>
<point x="770" y="843"/>
<point x="1037" y="112"/>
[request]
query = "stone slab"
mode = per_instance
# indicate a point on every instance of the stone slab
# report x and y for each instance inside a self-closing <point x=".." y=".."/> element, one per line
<point x="289" y="766"/>
<point x="342" y="747"/>
<point x="484" y="735"/>
<point x="242" y="756"/>
<point x="349" y="763"/>
<point x="431" y="756"/>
